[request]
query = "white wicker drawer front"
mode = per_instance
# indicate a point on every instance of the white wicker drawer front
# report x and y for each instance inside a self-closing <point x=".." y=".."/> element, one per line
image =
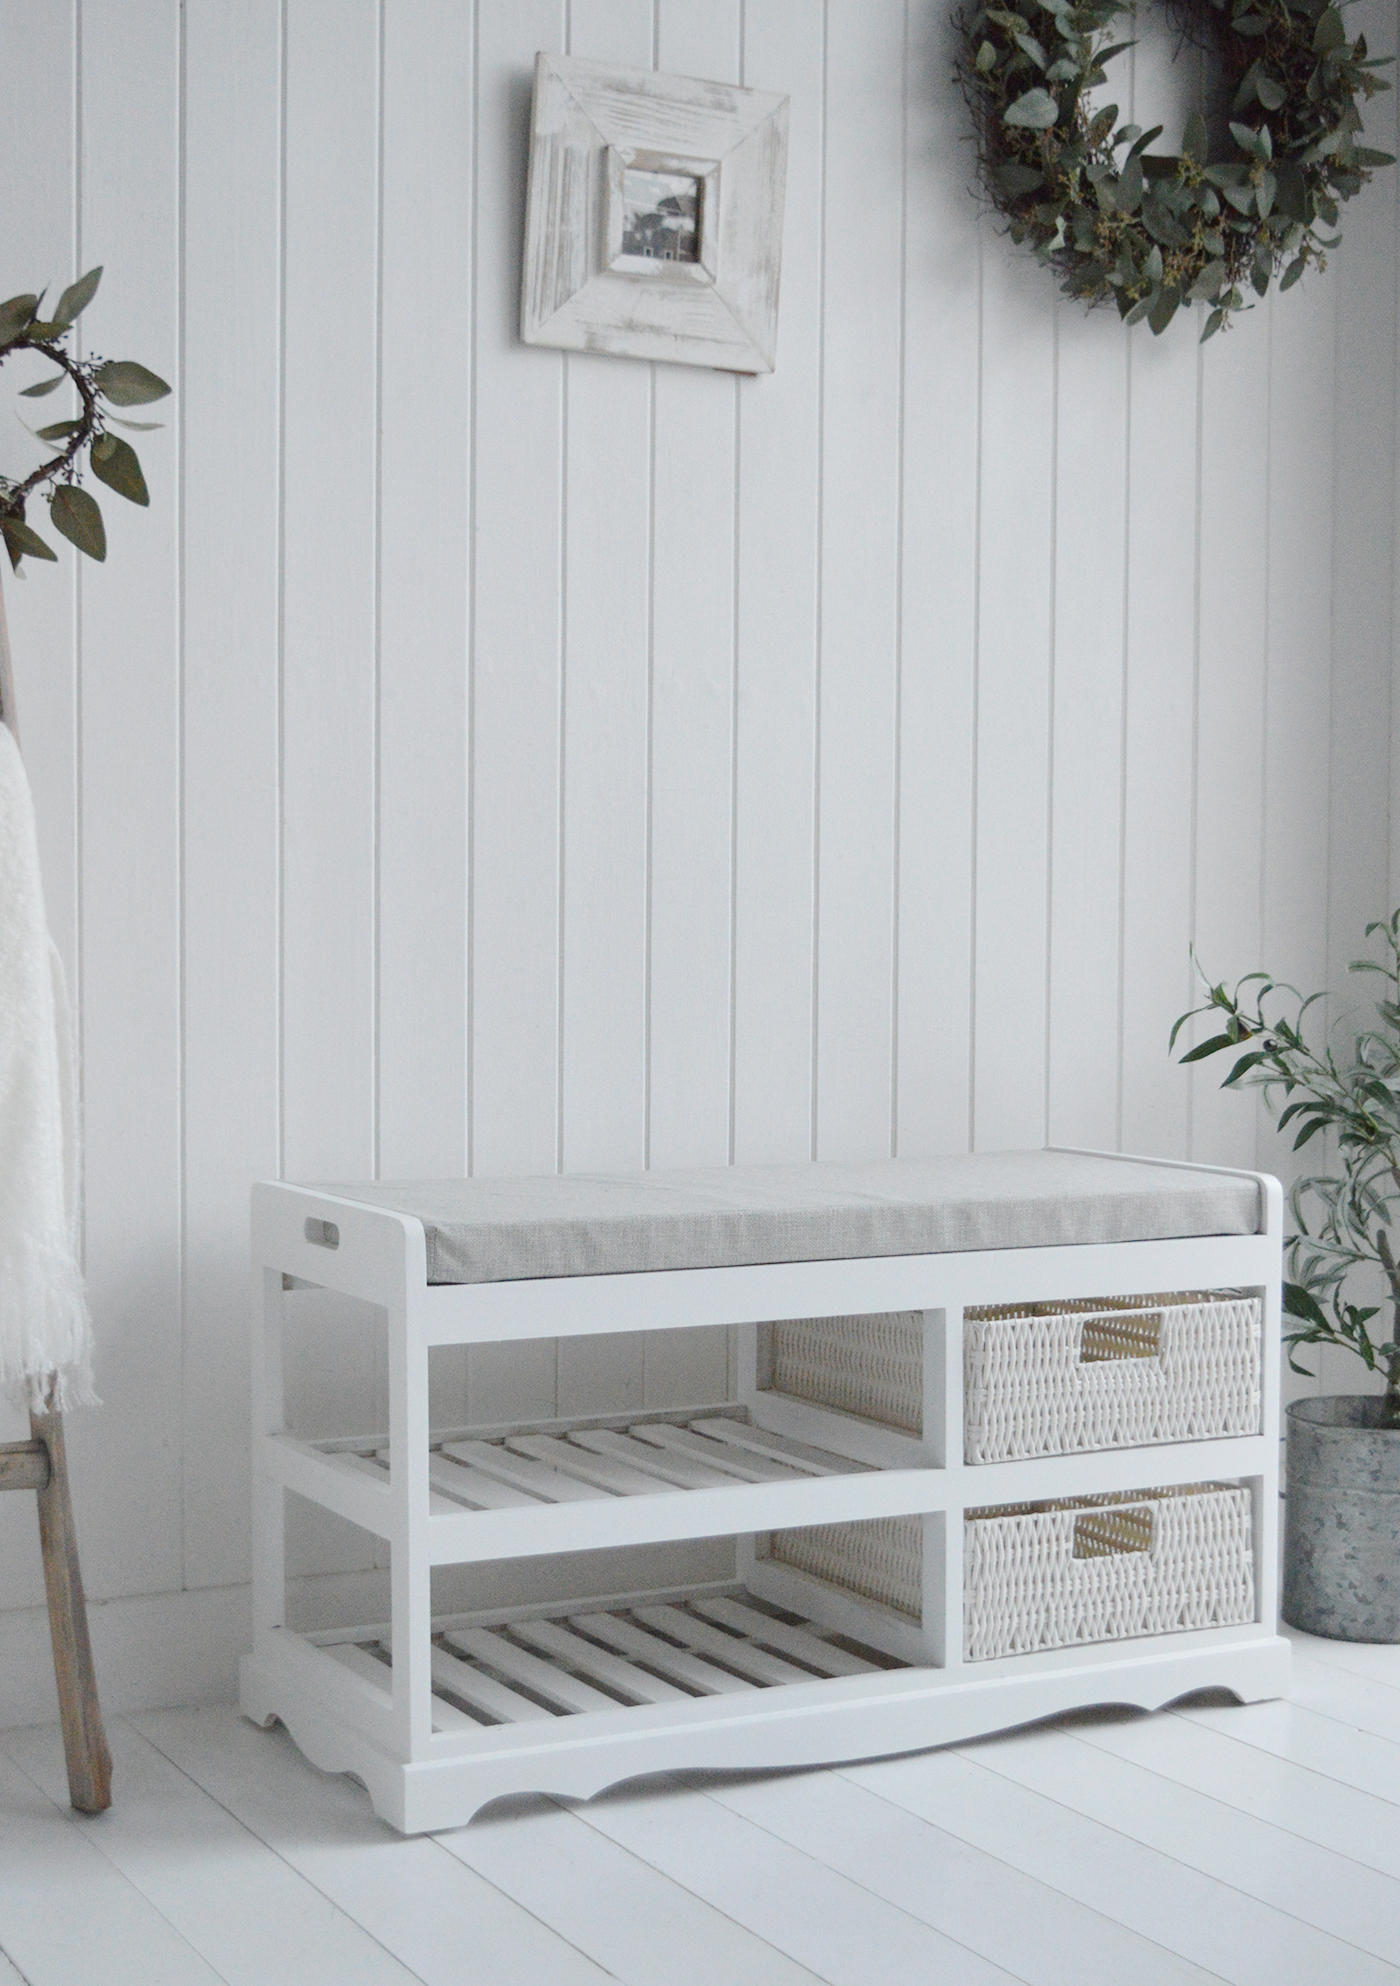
<point x="1106" y="1568"/>
<point x="1120" y="1372"/>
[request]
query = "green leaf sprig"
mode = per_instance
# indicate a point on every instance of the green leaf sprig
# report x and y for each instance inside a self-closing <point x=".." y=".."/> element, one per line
<point x="1345" y="1219"/>
<point x="1151" y="232"/>
<point x="73" y="511"/>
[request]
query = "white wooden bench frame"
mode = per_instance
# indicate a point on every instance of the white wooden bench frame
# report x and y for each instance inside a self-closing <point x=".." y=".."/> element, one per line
<point x="421" y="1779"/>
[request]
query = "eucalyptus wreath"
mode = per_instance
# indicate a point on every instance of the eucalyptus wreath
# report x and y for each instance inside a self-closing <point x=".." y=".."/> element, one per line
<point x="73" y="511"/>
<point x="1242" y="201"/>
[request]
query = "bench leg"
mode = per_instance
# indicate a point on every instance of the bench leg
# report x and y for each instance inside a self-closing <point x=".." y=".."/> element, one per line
<point x="84" y="1742"/>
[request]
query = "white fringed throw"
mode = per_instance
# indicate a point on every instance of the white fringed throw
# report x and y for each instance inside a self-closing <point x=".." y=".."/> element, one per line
<point x="45" y="1329"/>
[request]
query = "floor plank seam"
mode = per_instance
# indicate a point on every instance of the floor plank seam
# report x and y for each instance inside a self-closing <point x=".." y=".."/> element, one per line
<point x="580" y="1813"/>
<point x="1370" y="1737"/>
<point x="1343" y="1724"/>
<point x="1176" y="1861"/>
<point x="439" y="1841"/>
<point x="856" y="1882"/>
<point x="1026" y="1875"/>
<point x="88" y="1828"/>
<point x="1230" y="1807"/>
<point x="16" y="1967"/>
<point x="271" y="1848"/>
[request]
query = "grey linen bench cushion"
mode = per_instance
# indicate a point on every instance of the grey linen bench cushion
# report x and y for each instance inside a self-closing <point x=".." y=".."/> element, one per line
<point x="595" y="1224"/>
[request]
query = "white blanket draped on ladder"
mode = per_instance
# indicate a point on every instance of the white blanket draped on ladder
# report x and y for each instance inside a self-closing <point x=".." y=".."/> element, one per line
<point x="45" y="1329"/>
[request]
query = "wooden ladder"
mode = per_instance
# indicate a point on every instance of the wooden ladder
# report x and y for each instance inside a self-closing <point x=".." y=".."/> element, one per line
<point x="41" y="1464"/>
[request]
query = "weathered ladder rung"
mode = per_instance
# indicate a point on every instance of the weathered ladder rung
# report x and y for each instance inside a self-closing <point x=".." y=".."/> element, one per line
<point x="800" y="1642"/>
<point x="677" y="1663"/>
<point x="24" y="1465"/>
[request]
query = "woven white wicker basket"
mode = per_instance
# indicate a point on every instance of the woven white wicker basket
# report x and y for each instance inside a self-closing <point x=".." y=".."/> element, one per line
<point x="1120" y="1372"/>
<point x="880" y="1558"/>
<point x="871" y="1366"/>
<point x="1105" y="1568"/>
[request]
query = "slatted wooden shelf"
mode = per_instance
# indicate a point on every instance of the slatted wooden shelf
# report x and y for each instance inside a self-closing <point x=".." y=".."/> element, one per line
<point x="570" y="1661"/>
<point x="574" y="1486"/>
<point x="647" y="1458"/>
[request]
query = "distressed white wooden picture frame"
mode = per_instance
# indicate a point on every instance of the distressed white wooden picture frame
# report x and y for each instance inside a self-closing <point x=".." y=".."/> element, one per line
<point x="654" y="216"/>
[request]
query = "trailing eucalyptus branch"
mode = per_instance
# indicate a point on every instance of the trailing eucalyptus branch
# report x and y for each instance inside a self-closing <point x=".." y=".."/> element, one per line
<point x="1345" y="1220"/>
<point x="119" y="382"/>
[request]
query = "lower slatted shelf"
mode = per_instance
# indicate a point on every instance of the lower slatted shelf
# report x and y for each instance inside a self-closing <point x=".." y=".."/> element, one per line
<point x="531" y="1666"/>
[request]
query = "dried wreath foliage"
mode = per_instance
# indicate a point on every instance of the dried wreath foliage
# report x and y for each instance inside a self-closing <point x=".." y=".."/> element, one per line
<point x="1241" y="202"/>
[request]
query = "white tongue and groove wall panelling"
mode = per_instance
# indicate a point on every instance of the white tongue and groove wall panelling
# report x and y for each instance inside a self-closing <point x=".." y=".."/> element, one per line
<point x="481" y="758"/>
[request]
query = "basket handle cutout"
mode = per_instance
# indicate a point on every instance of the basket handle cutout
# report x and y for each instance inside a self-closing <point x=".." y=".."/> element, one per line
<point x="1120" y="1335"/>
<point x="322" y="1234"/>
<point x="1112" y="1533"/>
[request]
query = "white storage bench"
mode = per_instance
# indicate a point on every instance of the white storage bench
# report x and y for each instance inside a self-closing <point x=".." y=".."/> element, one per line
<point x="1106" y="1328"/>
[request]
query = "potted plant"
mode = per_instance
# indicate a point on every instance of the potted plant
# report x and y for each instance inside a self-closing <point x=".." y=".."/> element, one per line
<point x="1342" y="1518"/>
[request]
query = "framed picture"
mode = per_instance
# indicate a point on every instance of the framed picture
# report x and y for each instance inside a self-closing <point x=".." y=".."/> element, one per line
<point x="654" y="217"/>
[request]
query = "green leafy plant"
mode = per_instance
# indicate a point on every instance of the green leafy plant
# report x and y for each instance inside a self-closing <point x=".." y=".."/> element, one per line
<point x="1150" y="232"/>
<point x="1345" y="1218"/>
<point x="101" y="384"/>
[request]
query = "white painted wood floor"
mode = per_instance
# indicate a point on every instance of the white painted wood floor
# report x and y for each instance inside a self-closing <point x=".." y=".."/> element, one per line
<point x="1257" y="1844"/>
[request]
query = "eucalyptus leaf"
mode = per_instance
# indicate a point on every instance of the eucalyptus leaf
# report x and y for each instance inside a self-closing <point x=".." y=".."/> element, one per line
<point x="1018" y="178"/>
<point x="114" y="463"/>
<point x="1195" y="141"/>
<point x="1330" y="33"/>
<point x="77" y="516"/>
<point x="1163" y="311"/>
<point x="1272" y="95"/>
<point x="44" y="386"/>
<point x="58" y="430"/>
<point x="127" y="384"/>
<point x="77" y="297"/>
<point x="15" y="316"/>
<point x="1037" y="110"/>
<point x="1208" y="283"/>
<point x="21" y="542"/>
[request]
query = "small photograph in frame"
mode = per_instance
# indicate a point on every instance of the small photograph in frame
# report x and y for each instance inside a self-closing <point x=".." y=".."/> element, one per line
<point x="654" y="216"/>
<point x="661" y="214"/>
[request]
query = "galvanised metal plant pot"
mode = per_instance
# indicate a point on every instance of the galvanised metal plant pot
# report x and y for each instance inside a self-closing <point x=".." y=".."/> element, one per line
<point x="1341" y="1564"/>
